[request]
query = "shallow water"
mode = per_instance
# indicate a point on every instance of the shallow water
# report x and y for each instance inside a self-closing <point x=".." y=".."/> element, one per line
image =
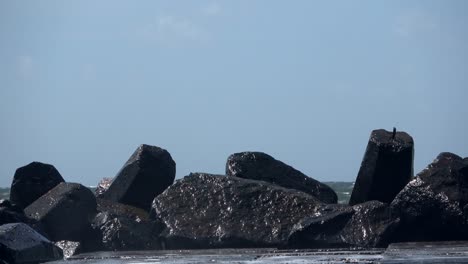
<point x="231" y="256"/>
<point x="424" y="252"/>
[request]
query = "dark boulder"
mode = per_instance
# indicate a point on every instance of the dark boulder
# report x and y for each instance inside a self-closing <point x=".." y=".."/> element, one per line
<point x="147" y="173"/>
<point x="7" y="204"/>
<point x="65" y="211"/>
<point x="262" y="167"/>
<point x="322" y="229"/>
<point x="32" y="181"/>
<point x="19" y="243"/>
<point x="369" y="224"/>
<point x="213" y="211"/>
<point x="102" y="187"/>
<point x="124" y="227"/>
<point x="386" y="168"/>
<point x="431" y="206"/>
<point x="11" y="213"/>
<point x="372" y="225"/>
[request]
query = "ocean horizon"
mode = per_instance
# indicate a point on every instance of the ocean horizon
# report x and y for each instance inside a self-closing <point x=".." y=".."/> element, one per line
<point x="342" y="189"/>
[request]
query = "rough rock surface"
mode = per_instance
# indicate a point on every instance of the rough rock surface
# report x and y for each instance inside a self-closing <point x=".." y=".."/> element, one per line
<point x="262" y="167"/>
<point x="147" y="173"/>
<point x="386" y="168"/>
<point x="124" y="227"/>
<point x="210" y="211"/>
<point x="32" y="181"/>
<point x="372" y="225"/>
<point x="19" y="243"/>
<point x="65" y="211"/>
<point x="102" y="187"/>
<point x="431" y="206"/>
<point x="69" y="248"/>
<point x="11" y="213"/>
<point x="321" y="229"/>
<point x="369" y="224"/>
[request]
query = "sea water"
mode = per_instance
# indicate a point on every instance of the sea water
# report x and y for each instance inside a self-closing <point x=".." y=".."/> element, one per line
<point x="251" y="256"/>
<point x="411" y="252"/>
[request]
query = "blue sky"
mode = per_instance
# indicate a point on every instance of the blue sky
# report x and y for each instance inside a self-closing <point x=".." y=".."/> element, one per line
<point x="83" y="83"/>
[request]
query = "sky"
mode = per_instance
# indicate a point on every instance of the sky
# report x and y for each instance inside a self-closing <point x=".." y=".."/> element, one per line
<point x="83" y="83"/>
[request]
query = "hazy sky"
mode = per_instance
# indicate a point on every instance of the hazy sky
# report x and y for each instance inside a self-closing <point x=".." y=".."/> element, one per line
<point x="83" y="83"/>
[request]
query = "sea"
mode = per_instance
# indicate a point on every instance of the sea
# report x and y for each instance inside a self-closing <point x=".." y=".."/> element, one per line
<point x="342" y="189"/>
<point x="411" y="253"/>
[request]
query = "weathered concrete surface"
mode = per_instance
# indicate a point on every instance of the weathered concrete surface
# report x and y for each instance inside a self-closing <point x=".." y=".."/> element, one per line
<point x="146" y="174"/>
<point x="212" y="211"/>
<point x="262" y="167"/>
<point x="32" y="181"/>
<point x="386" y="168"/>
